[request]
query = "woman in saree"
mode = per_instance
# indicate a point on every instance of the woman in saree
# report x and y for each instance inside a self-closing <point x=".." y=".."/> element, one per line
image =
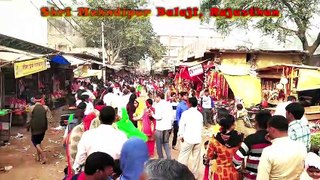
<point x="148" y="126"/>
<point x="222" y="148"/>
<point x="138" y="115"/>
<point x="131" y="108"/>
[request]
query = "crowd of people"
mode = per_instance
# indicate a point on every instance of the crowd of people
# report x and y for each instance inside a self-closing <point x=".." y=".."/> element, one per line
<point x="114" y="129"/>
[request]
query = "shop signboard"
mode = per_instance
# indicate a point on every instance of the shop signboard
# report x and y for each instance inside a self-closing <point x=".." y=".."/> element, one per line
<point x="195" y="70"/>
<point x="26" y="68"/>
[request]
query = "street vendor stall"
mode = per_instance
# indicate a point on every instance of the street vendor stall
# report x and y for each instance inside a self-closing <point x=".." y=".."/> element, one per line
<point x="21" y="83"/>
<point x="281" y="81"/>
<point x="61" y="78"/>
<point x="277" y="82"/>
<point x="190" y="75"/>
<point x="232" y="82"/>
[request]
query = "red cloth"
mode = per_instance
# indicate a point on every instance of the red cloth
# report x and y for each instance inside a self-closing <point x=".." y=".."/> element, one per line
<point x="99" y="107"/>
<point x="184" y="74"/>
<point x="70" y="173"/>
<point x="151" y="145"/>
<point x="81" y="176"/>
<point x="148" y="124"/>
<point x="206" y="173"/>
<point x="87" y="120"/>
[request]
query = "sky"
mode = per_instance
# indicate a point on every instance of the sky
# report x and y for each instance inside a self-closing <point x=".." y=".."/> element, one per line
<point x="193" y="27"/>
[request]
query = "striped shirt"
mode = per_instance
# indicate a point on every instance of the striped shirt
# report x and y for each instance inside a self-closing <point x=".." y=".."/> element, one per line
<point x="299" y="131"/>
<point x="251" y="148"/>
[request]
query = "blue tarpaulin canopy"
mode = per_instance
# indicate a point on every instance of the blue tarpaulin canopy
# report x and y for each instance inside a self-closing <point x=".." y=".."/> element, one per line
<point x="60" y="60"/>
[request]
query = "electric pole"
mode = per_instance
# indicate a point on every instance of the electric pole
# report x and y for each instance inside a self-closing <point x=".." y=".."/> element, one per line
<point x="103" y="55"/>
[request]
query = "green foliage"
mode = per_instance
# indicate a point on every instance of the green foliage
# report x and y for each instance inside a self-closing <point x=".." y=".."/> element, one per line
<point x="128" y="39"/>
<point x="295" y="20"/>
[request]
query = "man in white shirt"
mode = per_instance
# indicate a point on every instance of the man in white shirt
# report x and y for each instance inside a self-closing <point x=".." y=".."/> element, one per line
<point x="284" y="158"/>
<point x="281" y="109"/>
<point x="207" y="105"/>
<point x="164" y="117"/>
<point x="102" y="139"/>
<point x="190" y="132"/>
<point x="110" y="99"/>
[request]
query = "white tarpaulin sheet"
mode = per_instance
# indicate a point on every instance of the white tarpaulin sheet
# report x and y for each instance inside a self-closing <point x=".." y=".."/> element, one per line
<point x="74" y="60"/>
<point x="14" y="56"/>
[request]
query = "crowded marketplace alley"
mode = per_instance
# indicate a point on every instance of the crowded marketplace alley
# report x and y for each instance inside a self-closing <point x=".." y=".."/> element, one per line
<point x="159" y="90"/>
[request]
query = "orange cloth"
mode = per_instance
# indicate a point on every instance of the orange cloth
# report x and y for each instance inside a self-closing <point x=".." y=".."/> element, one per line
<point x="224" y="166"/>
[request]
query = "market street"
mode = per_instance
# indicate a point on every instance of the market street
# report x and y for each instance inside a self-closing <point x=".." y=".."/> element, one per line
<point x="19" y="154"/>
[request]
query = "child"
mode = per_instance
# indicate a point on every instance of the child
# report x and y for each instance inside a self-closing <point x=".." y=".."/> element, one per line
<point x="206" y="162"/>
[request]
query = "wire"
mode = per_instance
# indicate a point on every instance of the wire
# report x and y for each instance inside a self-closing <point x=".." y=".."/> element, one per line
<point x="54" y="26"/>
<point x="53" y="3"/>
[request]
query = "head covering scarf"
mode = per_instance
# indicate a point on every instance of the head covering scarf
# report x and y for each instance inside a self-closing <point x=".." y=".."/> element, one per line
<point x="134" y="154"/>
<point x="87" y="120"/>
<point x="125" y="125"/>
<point x="99" y="107"/>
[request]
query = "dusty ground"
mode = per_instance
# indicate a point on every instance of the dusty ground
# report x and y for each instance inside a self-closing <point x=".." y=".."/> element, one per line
<point x="19" y="154"/>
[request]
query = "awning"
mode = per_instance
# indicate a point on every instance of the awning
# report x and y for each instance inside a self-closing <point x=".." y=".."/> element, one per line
<point x="84" y="72"/>
<point x="246" y="87"/>
<point x="14" y="43"/>
<point x="11" y="55"/>
<point x="308" y="80"/>
<point x="74" y="60"/>
<point x="59" y="59"/>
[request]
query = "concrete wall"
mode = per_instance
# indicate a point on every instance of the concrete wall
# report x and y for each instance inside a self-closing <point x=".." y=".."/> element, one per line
<point x="21" y="19"/>
<point x="62" y="36"/>
<point x="263" y="60"/>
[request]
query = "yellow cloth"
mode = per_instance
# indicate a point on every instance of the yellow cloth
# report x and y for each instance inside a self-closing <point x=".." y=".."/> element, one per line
<point x="215" y="130"/>
<point x="251" y="95"/>
<point x="308" y="79"/>
<point x="140" y="110"/>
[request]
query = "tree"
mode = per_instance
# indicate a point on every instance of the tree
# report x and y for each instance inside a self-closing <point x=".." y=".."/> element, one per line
<point x="125" y="39"/>
<point x="295" y="19"/>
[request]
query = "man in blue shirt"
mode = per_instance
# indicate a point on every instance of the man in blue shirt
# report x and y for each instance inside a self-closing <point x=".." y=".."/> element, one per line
<point x="182" y="106"/>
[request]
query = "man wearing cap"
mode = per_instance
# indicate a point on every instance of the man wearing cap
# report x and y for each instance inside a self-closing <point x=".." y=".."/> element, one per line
<point x="37" y="121"/>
